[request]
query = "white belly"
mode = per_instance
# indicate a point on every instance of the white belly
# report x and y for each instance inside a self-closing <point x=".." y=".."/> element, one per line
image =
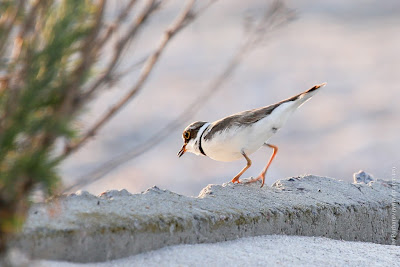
<point x="227" y="145"/>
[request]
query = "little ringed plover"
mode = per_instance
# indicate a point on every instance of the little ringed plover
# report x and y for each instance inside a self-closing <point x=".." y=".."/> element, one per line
<point x="237" y="136"/>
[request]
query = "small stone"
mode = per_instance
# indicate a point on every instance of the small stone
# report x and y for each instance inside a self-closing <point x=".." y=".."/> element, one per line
<point x="83" y="193"/>
<point x="154" y="190"/>
<point x="362" y="177"/>
<point x="110" y="194"/>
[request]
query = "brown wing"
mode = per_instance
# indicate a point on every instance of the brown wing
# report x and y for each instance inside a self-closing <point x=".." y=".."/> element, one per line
<point x="250" y="116"/>
<point x="243" y="118"/>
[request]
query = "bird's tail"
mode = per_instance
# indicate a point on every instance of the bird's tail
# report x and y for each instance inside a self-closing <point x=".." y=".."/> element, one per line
<point x="306" y="95"/>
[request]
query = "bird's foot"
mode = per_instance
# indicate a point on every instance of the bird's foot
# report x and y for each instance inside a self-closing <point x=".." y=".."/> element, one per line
<point x="253" y="180"/>
<point x="235" y="180"/>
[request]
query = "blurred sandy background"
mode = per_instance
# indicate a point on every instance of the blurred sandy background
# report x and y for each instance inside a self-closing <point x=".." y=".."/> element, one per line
<point x="352" y="124"/>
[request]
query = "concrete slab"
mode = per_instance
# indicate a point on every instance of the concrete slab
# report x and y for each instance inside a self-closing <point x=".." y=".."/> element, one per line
<point x="86" y="228"/>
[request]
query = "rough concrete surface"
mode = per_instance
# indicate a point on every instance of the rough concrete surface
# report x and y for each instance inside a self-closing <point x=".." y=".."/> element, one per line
<point x="86" y="228"/>
<point x="267" y="250"/>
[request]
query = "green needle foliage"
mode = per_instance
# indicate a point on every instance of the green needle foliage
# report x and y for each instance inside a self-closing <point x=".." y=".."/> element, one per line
<point x="46" y="55"/>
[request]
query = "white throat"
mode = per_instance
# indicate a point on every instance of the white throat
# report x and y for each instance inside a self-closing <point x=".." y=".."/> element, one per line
<point x="194" y="146"/>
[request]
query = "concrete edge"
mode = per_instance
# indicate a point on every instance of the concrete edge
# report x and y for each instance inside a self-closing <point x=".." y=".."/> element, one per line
<point x="117" y="224"/>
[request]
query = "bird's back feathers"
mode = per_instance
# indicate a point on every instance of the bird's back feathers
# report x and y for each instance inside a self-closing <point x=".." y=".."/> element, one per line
<point x="249" y="117"/>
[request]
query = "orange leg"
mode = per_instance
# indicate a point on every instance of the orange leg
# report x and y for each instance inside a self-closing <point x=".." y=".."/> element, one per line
<point x="262" y="174"/>
<point x="236" y="178"/>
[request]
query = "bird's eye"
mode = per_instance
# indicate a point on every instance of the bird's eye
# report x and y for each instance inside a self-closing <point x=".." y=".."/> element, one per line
<point x="186" y="135"/>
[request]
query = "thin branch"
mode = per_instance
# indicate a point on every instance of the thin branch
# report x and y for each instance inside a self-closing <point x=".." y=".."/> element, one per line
<point x="14" y="70"/>
<point x="137" y="65"/>
<point x="147" y="68"/>
<point x="6" y="28"/>
<point x="26" y="27"/>
<point x="119" y="48"/>
<point x="88" y="56"/>
<point x="112" y="28"/>
<point x="252" y="39"/>
<point x="117" y="23"/>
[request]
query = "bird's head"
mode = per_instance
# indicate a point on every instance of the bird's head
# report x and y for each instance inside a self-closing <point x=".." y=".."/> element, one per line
<point x="191" y="138"/>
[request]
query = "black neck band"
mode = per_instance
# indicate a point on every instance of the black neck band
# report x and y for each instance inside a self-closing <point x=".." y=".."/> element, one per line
<point x="201" y="136"/>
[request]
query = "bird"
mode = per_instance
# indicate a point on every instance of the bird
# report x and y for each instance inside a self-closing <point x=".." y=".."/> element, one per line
<point x="239" y="135"/>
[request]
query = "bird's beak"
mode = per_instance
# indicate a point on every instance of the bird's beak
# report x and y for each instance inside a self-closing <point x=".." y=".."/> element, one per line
<point x="182" y="151"/>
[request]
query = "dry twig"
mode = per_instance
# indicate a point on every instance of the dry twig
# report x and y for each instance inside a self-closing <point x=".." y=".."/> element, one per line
<point x="147" y="68"/>
<point x="121" y="44"/>
<point x="7" y="20"/>
<point x="114" y="27"/>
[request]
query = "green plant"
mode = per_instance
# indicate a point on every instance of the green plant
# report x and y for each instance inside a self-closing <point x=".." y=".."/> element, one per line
<point x="43" y="70"/>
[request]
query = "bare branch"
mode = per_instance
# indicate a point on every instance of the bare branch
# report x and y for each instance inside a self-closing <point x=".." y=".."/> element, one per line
<point x="88" y="55"/>
<point x="7" y="25"/>
<point x="14" y="70"/>
<point x="252" y="39"/>
<point x="117" y="23"/>
<point x="147" y="68"/>
<point x="119" y="48"/>
<point x="26" y="27"/>
<point x="136" y="65"/>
